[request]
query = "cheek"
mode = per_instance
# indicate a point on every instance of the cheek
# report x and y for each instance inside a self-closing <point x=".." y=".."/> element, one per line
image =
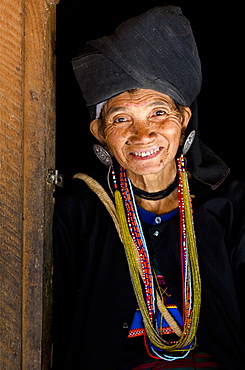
<point x="115" y="137"/>
<point x="115" y="142"/>
<point x="173" y="135"/>
<point x="117" y="153"/>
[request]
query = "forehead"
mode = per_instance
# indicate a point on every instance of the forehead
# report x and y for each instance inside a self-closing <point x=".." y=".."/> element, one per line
<point x="138" y="98"/>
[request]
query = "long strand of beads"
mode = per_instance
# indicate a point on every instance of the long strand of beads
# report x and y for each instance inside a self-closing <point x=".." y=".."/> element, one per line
<point x="193" y="274"/>
<point x="190" y="315"/>
<point x="145" y="262"/>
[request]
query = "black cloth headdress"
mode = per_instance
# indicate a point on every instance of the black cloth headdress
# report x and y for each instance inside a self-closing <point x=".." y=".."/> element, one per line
<point x="155" y="50"/>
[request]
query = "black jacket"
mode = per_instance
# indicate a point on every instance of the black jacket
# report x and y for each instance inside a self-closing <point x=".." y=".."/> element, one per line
<point x="93" y="294"/>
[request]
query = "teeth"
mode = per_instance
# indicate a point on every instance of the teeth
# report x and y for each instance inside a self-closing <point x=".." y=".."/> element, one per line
<point x="146" y="154"/>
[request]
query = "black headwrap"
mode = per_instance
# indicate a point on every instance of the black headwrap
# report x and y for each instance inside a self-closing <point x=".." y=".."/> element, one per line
<point x="155" y="50"/>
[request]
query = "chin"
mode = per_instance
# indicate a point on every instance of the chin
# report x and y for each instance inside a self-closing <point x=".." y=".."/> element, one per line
<point x="146" y="170"/>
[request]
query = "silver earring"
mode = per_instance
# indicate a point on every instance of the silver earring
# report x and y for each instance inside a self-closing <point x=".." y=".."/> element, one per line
<point x="102" y="154"/>
<point x="189" y="140"/>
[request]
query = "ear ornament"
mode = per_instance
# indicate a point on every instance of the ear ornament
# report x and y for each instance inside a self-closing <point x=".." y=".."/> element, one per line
<point x="102" y="154"/>
<point x="189" y="140"/>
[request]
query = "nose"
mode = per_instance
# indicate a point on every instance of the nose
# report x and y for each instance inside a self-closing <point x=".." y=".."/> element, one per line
<point x="141" y="132"/>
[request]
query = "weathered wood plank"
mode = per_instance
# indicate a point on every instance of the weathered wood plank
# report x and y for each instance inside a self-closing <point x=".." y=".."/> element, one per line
<point x="39" y="155"/>
<point x="11" y="103"/>
<point x="27" y="150"/>
<point x="50" y="151"/>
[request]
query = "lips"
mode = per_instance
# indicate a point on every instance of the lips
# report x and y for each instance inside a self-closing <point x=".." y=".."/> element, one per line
<point x="147" y="153"/>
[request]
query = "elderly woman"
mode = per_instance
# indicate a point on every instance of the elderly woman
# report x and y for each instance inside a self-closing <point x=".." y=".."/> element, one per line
<point x="149" y="272"/>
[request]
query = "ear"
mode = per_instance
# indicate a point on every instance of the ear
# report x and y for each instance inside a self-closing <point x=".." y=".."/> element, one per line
<point x="96" y="130"/>
<point x="186" y="115"/>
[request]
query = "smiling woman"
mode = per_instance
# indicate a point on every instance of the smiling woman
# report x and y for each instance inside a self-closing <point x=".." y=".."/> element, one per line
<point x="130" y="270"/>
<point x="143" y="130"/>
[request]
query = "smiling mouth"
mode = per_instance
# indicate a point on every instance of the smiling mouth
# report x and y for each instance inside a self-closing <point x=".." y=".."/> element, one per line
<point x="147" y="153"/>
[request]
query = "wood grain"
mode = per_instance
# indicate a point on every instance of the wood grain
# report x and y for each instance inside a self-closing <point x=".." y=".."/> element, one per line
<point x="39" y="155"/>
<point x="11" y="111"/>
<point x="27" y="150"/>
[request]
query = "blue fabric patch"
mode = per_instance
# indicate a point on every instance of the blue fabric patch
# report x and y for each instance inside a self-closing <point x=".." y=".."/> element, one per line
<point x="153" y="219"/>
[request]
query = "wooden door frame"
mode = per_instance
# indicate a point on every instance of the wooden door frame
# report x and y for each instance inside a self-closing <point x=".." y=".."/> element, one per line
<point x="27" y="151"/>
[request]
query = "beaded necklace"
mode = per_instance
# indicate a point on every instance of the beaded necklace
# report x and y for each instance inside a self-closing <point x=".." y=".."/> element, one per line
<point x="148" y="295"/>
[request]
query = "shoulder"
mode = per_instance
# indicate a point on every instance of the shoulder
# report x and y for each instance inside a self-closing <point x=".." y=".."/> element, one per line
<point x="225" y="204"/>
<point x="78" y="190"/>
<point x="231" y="190"/>
<point x="72" y="195"/>
<point x="77" y="200"/>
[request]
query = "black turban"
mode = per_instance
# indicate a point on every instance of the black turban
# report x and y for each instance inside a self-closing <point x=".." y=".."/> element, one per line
<point x="155" y="50"/>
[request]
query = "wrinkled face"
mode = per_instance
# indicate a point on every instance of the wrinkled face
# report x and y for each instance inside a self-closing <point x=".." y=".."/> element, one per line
<point x="142" y="130"/>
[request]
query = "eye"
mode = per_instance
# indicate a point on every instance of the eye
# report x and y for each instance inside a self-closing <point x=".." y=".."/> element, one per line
<point x="160" y="112"/>
<point x="120" y="119"/>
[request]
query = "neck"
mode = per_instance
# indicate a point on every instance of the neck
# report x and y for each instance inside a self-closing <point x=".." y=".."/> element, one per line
<point x="154" y="183"/>
<point x="161" y="206"/>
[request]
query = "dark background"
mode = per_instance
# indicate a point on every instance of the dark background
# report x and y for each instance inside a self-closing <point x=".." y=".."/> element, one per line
<point x="218" y="33"/>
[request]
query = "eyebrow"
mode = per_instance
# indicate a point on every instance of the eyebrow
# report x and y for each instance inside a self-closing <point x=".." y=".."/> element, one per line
<point x="158" y="102"/>
<point x="153" y="104"/>
<point x="115" y="110"/>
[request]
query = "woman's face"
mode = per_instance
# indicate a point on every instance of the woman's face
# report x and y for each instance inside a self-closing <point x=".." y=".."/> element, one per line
<point x="142" y="130"/>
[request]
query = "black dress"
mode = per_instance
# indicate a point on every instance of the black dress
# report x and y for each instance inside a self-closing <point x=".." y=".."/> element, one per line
<point x="94" y="302"/>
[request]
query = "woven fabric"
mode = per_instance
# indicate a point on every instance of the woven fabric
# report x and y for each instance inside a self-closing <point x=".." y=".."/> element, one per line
<point x="154" y="50"/>
<point x="137" y="327"/>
